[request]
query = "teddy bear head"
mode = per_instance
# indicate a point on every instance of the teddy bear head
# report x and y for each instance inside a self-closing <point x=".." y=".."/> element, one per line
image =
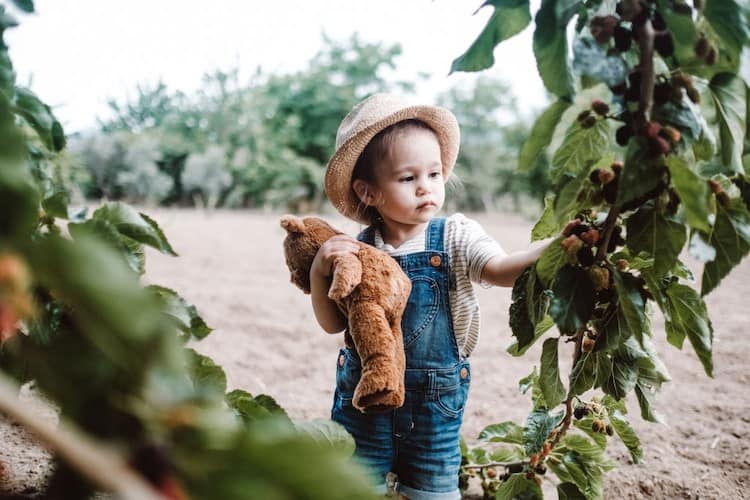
<point x="304" y="238"/>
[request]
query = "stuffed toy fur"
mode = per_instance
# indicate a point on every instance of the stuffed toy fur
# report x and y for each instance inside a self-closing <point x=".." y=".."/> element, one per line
<point x="371" y="289"/>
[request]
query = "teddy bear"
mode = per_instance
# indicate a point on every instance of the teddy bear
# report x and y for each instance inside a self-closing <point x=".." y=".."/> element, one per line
<point x="371" y="290"/>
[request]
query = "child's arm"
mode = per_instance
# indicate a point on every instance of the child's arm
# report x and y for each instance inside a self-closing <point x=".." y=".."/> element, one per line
<point x="326" y="312"/>
<point x="503" y="270"/>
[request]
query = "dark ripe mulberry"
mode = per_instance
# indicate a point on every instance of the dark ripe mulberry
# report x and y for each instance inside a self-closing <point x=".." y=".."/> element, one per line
<point x="623" y="38"/>
<point x="585" y="256"/>
<point x="604" y="295"/>
<point x="583" y="115"/>
<point x="594" y="176"/>
<point x="579" y="229"/>
<point x="701" y="47"/>
<point x="588" y="344"/>
<point x="541" y="469"/>
<point x="588" y="122"/>
<point x="659" y="145"/>
<point x="662" y="92"/>
<point x="619" y="89"/>
<point x="617" y="167"/>
<point x="674" y="202"/>
<point x="633" y="93"/>
<point x="723" y="199"/>
<point x="600" y="107"/>
<point x="623" y="135"/>
<point x="714" y="186"/>
<point x="515" y="468"/>
<point x="610" y="430"/>
<point x="664" y="44"/>
<point x="682" y="80"/>
<point x="651" y="129"/>
<point x="580" y="412"/>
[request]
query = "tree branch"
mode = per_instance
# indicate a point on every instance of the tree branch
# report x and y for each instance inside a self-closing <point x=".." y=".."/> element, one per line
<point x="102" y="466"/>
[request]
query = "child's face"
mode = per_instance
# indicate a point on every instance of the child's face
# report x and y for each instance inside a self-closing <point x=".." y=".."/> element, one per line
<point x="409" y="187"/>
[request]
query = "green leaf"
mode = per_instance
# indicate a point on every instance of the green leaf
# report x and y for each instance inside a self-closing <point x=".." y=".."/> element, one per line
<point x="19" y="199"/>
<point x="24" y="5"/>
<point x="730" y="21"/>
<point x="552" y="259"/>
<point x="328" y="434"/>
<point x="539" y="424"/>
<point x="728" y="93"/>
<point x="646" y="395"/>
<point x="541" y="134"/>
<point x="541" y="328"/>
<point x="613" y="330"/>
<point x="730" y="237"/>
<point x="39" y="116"/>
<point x="129" y="250"/>
<point x="581" y="461"/>
<point x="631" y="303"/>
<point x="569" y="491"/>
<point x="249" y="408"/>
<point x="552" y="387"/>
<point x="546" y="226"/>
<point x="583" y="374"/>
<point x="134" y="225"/>
<point x="509" y="18"/>
<point x="580" y="147"/>
<point x="518" y="487"/>
<point x="573" y="299"/>
<point x="551" y="50"/>
<point x="641" y="174"/>
<point x="693" y="192"/>
<point x="532" y="382"/>
<point x="207" y="376"/>
<point x="685" y="116"/>
<point x="508" y="454"/>
<point x="650" y="231"/>
<point x="56" y="204"/>
<point x="505" y="432"/>
<point x="688" y="317"/>
<point x="520" y="323"/>
<point x="617" y="375"/>
<point x="184" y="314"/>
<point x="627" y="434"/>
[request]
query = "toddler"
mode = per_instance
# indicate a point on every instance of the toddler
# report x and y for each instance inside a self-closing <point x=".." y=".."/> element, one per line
<point x="389" y="172"/>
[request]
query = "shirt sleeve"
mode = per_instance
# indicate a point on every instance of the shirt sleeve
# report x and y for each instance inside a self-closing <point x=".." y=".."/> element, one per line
<point x="476" y="245"/>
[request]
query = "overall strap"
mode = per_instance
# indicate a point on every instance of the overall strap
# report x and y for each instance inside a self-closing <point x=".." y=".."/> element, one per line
<point x="434" y="236"/>
<point x="367" y="235"/>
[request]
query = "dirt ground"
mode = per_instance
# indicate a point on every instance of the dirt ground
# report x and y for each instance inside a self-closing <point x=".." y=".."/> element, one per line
<point x="232" y="268"/>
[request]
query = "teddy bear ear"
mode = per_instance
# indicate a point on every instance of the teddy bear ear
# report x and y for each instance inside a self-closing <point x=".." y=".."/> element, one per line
<point x="292" y="224"/>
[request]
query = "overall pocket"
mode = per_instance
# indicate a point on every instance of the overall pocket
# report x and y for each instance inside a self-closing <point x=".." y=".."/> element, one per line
<point x="348" y="372"/>
<point x="421" y="308"/>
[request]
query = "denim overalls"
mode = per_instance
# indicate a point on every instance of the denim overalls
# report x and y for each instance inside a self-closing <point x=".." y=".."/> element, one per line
<point x="419" y="442"/>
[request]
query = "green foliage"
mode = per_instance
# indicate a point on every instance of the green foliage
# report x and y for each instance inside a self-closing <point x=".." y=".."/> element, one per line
<point x="111" y="353"/>
<point x="677" y="177"/>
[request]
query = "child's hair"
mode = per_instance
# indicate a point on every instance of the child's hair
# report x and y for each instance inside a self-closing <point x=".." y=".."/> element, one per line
<point x="378" y="148"/>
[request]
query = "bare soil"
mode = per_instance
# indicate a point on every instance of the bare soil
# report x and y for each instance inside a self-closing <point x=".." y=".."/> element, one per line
<point x="232" y="268"/>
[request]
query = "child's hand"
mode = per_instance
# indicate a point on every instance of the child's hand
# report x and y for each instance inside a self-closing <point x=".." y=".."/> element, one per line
<point x="339" y="245"/>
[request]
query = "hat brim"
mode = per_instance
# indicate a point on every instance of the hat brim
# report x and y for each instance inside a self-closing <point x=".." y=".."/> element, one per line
<point x="338" y="178"/>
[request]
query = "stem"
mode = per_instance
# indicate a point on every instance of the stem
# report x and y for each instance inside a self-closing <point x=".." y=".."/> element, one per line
<point x="100" y="465"/>
<point x="609" y="229"/>
<point x="646" y="62"/>
<point x="569" y="400"/>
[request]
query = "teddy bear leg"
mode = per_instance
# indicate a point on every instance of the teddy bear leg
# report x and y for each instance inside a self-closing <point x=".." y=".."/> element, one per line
<point x="381" y="386"/>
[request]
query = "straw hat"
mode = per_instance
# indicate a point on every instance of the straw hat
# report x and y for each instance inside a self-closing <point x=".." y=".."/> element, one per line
<point x="362" y="123"/>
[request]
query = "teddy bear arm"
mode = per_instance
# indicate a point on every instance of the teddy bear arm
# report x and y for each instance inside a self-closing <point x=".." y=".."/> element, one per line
<point x="347" y="274"/>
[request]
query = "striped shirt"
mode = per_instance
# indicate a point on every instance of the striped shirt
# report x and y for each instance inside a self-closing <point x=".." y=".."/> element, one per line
<point x="469" y="248"/>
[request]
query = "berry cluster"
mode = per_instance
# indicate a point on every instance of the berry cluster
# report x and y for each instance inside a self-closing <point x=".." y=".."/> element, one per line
<point x="599" y="423"/>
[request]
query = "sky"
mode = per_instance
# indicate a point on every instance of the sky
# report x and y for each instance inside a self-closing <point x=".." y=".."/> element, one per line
<point x="77" y="54"/>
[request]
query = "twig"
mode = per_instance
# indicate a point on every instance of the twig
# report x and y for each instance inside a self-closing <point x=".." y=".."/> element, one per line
<point x="102" y="466"/>
<point x="569" y="400"/>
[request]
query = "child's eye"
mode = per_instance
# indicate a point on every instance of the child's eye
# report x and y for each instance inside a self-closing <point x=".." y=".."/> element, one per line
<point x="435" y="174"/>
<point x="408" y="178"/>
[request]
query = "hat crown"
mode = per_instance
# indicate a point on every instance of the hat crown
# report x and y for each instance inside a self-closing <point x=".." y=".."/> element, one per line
<point x="367" y="113"/>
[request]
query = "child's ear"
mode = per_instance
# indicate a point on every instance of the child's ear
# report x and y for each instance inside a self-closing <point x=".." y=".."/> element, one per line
<point x="364" y="192"/>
